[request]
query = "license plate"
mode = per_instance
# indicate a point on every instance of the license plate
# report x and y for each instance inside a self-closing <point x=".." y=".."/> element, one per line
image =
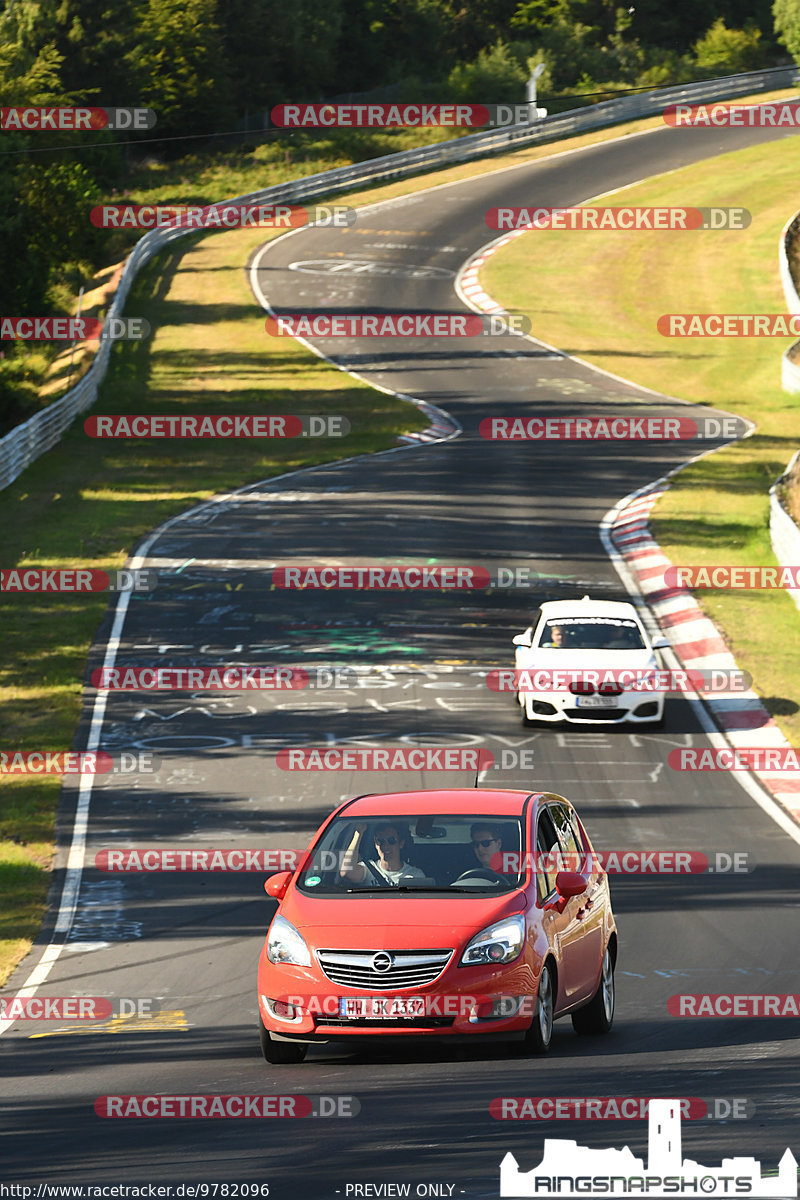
<point x="597" y="701"/>
<point x="376" y="1008"/>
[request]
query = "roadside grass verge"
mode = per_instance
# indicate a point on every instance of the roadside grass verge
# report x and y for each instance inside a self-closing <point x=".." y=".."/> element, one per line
<point x="717" y="511"/>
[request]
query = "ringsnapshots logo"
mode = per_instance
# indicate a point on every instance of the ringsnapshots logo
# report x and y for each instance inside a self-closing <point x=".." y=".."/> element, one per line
<point x="617" y="427"/>
<point x="76" y="579"/>
<point x="221" y="216"/>
<point x="397" y="325"/>
<point x="220" y="425"/>
<point x="727" y="116"/>
<point x="75" y="119"/>
<point x="568" y="1170"/>
<point x="633" y="219"/>
<point x="398" y="116"/>
<point x="73" y="329"/>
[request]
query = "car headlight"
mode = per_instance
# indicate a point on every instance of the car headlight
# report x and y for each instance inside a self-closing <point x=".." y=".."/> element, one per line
<point x="496" y="944"/>
<point x="285" y="945"/>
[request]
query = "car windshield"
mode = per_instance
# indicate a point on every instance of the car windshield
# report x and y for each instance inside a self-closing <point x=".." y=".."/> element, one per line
<point x="451" y="855"/>
<point x="592" y="633"/>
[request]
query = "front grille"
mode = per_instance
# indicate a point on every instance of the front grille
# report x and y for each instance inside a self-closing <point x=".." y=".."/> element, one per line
<point x="596" y="714"/>
<point x="409" y="968"/>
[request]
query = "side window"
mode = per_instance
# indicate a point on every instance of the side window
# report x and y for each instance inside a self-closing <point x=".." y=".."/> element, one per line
<point x="547" y="847"/>
<point x="570" y="841"/>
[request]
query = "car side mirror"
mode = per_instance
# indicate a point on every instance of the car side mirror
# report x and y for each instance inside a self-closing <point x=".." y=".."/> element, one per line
<point x="568" y="884"/>
<point x="571" y="883"/>
<point x="277" y="884"/>
<point x="661" y="643"/>
<point x="522" y="639"/>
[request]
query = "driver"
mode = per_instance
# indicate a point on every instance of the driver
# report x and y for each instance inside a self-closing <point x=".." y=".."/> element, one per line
<point x="386" y="867"/>
<point x="486" y="842"/>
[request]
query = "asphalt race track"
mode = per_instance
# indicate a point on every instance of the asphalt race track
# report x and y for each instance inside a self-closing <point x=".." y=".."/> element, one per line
<point x="191" y="940"/>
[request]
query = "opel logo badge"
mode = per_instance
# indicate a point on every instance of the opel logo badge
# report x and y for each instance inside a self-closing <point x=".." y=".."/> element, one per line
<point x="382" y="962"/>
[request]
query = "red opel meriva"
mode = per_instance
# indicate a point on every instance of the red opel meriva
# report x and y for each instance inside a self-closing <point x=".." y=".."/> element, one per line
<point x="444" y="914"/>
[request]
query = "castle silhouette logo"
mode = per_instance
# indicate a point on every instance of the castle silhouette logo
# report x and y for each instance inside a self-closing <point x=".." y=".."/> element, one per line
<point x="570" y="1170"/>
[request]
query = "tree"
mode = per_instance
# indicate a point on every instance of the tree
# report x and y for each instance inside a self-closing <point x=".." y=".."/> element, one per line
<point x="179" y="68"/>
<point x="786" y="14"/>
<point x="723" y="51"/>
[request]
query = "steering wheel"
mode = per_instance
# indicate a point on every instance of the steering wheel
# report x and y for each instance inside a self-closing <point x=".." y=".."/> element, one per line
<point x="479" y="873"/>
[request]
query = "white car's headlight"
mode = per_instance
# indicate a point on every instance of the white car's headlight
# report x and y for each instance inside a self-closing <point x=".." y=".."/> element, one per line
<point x="496" y="944"/>
<point x="285" y="944"/>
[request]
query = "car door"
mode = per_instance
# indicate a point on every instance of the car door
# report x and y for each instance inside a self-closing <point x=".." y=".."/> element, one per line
<point x="564" y="930"/>
<point x="584" y="932"/>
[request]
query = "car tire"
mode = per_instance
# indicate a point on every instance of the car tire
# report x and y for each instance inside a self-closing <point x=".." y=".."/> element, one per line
<point x="539" y="1036"/>
<point x="280" y="1052"/>
<point x="528" y="722"/>
<point x="598" y="1015"/>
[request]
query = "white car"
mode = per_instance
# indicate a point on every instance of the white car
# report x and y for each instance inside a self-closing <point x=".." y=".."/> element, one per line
<point x="588" y="661"/>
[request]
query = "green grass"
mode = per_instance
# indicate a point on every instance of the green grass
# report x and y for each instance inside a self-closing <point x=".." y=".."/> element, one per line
<point x="717" y="510"/>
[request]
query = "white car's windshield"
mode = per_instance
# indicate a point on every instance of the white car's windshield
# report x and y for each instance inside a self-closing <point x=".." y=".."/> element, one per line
<point x="591" y="633"/>
<point x="451" y="855"/>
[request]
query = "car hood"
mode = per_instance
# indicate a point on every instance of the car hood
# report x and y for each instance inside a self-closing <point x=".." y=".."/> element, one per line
<point x="403" y="922"/>
<point x="601" y="660"/>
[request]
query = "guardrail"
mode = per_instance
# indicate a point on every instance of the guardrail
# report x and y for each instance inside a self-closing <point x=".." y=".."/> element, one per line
<point x="790" y="370"/>
<point x="24" y="444"/>
<point x="783" y="532"/>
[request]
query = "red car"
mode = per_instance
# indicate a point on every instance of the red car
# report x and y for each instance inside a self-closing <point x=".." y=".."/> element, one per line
<point x="443" y="914"/>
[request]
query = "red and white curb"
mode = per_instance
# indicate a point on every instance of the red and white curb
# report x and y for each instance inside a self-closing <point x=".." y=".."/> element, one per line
<point x="696" y="641"/>
<point x="469" y="284"/>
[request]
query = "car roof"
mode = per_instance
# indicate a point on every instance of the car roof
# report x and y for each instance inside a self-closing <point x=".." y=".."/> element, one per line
<point x="480" y="801"/>
<point x="588" y="608"/>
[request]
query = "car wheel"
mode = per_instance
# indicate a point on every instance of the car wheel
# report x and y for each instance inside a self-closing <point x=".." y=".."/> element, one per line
<point x="598" y="1015"/>
<point x="540" y="1033"/>
<point x="527" y="721"/>
<point x="280" y="1052"/>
